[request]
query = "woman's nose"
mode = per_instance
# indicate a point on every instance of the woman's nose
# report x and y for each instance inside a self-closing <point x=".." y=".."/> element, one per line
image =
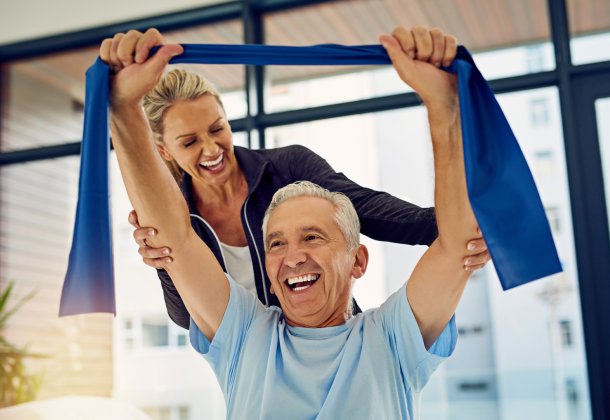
<point x="210" y="148"/>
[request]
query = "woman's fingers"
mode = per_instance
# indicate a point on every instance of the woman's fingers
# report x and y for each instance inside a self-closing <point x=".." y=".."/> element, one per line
<point x="438" y="47"/>
<point x="477" y="245"/>
<point x="127" y="47"/>
<point x="450" y="50"/>
<point x="154" y="253"/>
<point x="157" y="262"/>
<point x="150" y="39"/>
<point x="133" y="219"/>
<point x="478" y="261"/>
<point x="141" y="234"/>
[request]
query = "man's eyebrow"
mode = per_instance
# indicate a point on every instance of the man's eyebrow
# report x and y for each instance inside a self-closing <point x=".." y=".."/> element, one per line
<point x="194" y="134"/>
<point x="272" y="236"/>
<point x="313" y="229"/>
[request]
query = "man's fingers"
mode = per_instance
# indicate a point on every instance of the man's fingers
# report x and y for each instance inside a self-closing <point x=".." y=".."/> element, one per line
<point x="141" y="234"/>
<point x="405" y="38"/>
<point x="157" y="262"/>
<point x="438" y="47"/>
<point x="402" y="63"/>
<point x="127" y="46"/>
<point x="157" y="63"/>
<point x="150" y="39"/>
<point x="105" y="50"/>
<point x="115" y="63"/>
<point x="450" y="50"/>
<point x="423" y="43"/>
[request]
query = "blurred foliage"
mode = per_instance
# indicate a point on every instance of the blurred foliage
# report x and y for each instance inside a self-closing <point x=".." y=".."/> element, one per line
<point x="16" y="384"/>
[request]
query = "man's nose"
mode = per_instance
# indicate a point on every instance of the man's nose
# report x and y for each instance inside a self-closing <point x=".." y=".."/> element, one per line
<point x="294" y="256"/>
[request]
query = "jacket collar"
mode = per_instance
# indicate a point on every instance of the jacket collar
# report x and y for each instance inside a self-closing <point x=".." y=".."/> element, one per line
<point x="251" y="163"/>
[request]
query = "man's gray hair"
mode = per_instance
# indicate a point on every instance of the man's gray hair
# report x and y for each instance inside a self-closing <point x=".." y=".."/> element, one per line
<point x="345" y="214"/>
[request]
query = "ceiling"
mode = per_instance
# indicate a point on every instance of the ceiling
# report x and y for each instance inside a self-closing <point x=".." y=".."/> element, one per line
<point x="478" y="24"/>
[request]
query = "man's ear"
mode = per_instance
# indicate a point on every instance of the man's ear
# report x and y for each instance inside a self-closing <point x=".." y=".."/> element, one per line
<point x="360" y="262"/>
<point x="164" y="152"/>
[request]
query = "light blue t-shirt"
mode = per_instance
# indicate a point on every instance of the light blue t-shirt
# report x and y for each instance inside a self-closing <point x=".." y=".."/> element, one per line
<point x="372" y="367"/>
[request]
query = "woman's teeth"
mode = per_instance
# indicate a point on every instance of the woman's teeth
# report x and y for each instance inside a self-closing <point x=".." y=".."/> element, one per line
<point x="213" y="165"/>
<point x="302" y="282"/>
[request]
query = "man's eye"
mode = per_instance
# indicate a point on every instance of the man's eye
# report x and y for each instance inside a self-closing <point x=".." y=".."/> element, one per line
<point x="218" y="130"/>
<point x="275" y="244"/>
<point x="312" y="237"/>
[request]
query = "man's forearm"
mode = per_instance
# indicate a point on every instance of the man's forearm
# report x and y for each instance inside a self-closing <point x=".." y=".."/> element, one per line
<point x="151" y="188"/>
<point x="455" y="219"/>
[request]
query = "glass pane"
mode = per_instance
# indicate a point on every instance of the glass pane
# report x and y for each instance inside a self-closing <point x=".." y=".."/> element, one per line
<point x="44" y="97"/>
<point x="519" y="28"/>
<point x="602" y="109"/>
<point x="155" y="333"/>
<point x="521" y="353"/>
<point x="589" y="27"/>
<point x="38" y="203"/>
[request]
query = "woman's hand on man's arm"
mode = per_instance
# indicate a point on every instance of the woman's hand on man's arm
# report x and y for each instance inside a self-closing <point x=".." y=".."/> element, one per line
<point x="153" y="257"/>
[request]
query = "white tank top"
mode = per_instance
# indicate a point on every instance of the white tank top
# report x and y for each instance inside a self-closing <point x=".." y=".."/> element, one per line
<point x="239" y="265"/>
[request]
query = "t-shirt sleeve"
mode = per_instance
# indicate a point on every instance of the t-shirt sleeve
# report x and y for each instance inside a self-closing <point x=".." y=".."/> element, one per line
<point x="223" y="352"/>
<point x="397" y="323"/>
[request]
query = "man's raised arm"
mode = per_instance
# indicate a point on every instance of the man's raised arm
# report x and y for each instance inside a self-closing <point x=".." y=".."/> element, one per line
<point x="436" y="285"/>
<point x="151" y="188"/>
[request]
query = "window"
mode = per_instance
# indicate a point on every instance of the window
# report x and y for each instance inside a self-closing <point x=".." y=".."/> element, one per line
<point x="535" y="59"/>
<point x="470" y="331"/>
<point x="552" y="214"/>
<point x="154" y="333"/>
<point x="572" y="392"/>
<point x="544" y="167"/>
<point x="566" y="333"/>
<point x="539" y="112"/>
<point x="474" y="387"/>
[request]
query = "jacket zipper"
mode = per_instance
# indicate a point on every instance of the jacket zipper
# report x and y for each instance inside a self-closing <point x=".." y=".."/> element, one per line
<point x="257" y="253"/>
<point x="224" y="261"/>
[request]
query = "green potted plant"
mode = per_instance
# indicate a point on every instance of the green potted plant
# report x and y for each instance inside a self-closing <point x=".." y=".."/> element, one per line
<point x="16" y="384"/>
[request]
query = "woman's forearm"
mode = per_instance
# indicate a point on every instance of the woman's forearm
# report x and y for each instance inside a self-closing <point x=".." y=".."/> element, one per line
<point x="151" y="188"/>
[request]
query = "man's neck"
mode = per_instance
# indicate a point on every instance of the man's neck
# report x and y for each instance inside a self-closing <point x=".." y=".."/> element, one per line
<point x="339" y="317"/>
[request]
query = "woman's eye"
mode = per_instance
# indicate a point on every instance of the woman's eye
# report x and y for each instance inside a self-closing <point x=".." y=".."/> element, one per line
<point x="190" y="143"/>
<point x="218" y="130"/>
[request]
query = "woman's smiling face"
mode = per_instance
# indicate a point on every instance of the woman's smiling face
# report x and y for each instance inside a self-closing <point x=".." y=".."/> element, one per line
<point x="197" y="135"/>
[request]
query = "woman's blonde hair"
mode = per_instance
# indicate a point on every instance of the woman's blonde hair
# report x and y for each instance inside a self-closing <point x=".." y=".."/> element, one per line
<point x="177" y="85"/>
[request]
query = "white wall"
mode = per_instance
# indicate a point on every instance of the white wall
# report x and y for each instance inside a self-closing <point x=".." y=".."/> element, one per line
<point x="22" y="20"/>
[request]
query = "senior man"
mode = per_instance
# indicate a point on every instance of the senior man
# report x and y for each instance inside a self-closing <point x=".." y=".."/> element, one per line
<point x="312" y="358"/>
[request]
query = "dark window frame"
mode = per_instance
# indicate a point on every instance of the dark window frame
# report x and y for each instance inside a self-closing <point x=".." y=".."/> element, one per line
<point x="578" y="87"/>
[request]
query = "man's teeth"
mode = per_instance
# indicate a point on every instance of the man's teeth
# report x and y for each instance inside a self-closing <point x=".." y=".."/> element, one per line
<point x="307" y="277"/>
<point x="211" y="163"/>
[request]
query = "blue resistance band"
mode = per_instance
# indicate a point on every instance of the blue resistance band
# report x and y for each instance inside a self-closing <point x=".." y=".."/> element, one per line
<point x="501" y="188"/>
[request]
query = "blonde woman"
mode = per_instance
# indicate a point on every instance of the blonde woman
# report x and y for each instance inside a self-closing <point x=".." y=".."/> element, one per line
<point x="228" y="188"/>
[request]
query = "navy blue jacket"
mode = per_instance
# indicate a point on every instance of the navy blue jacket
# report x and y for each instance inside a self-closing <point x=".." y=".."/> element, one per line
<point x="382" y="216"/>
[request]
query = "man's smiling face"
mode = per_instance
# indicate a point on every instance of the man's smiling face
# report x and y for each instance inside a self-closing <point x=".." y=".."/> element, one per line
<point x="309" y="264"/>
